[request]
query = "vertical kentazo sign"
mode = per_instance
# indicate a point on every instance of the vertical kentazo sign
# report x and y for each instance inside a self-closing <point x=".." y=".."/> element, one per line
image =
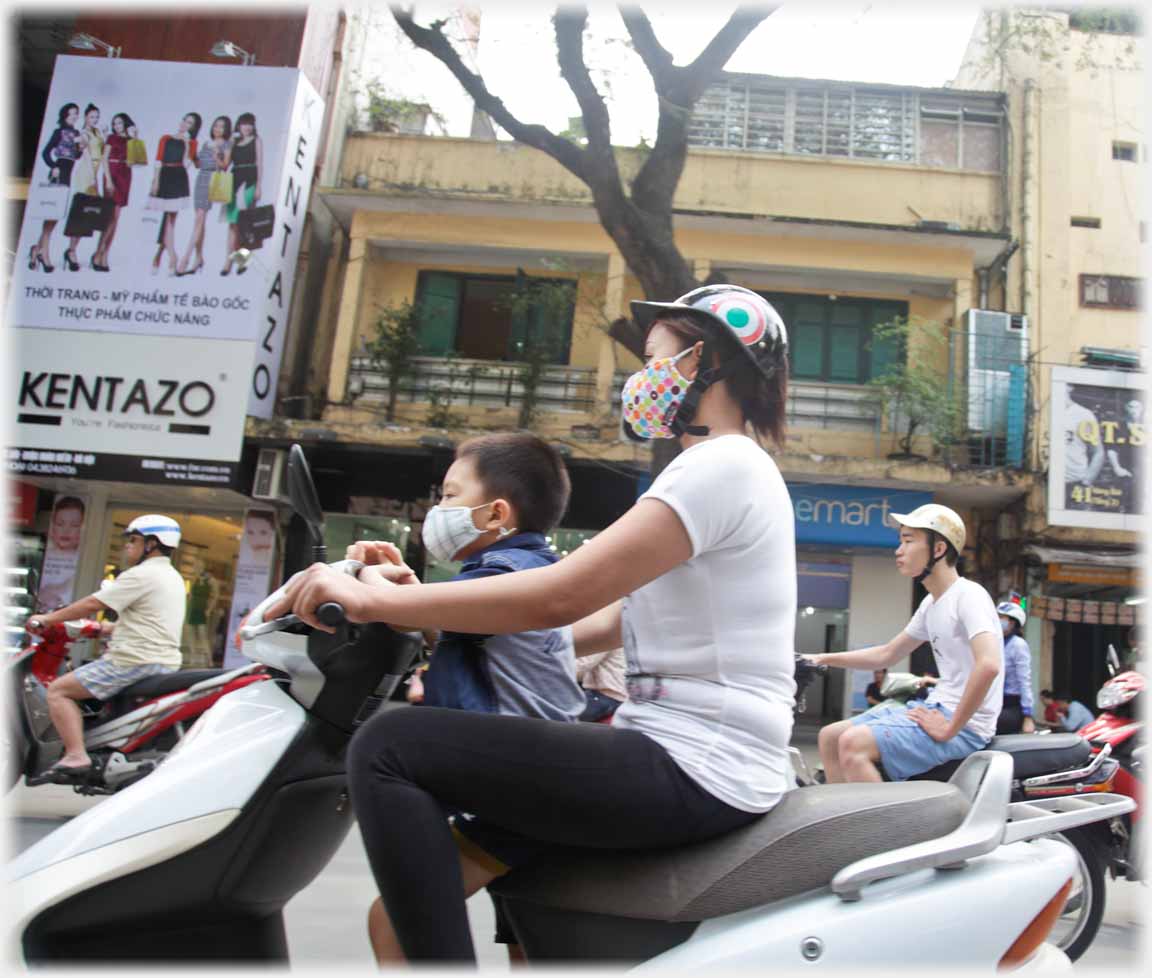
<point x="164" y="214"/>
<point x="291" y="209"/>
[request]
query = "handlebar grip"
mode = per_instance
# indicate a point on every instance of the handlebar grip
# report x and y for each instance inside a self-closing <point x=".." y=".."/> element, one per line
<point x="331" y="613"/>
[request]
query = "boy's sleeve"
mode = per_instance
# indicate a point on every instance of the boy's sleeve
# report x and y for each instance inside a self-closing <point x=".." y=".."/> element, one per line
<point x="978" y="613"/>
<point x="124" y="591"/>
<point x="918" y="626"/>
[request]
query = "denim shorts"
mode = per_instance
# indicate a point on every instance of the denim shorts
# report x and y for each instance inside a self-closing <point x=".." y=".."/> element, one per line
<point x="905" y="747"/>
<point x="104" y="679"/>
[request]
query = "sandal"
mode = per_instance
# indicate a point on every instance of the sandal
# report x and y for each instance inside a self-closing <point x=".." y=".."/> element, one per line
<point x="62" y="774"/>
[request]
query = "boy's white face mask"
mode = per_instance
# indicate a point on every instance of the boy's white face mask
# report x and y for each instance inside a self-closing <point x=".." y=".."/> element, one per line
<point x="449" y="529"/>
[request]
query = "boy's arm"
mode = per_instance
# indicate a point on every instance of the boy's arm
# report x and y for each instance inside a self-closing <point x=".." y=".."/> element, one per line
<point x="874" y="657"/>
<point x="599" y="632"/>
<point x="84" y="608"/>
<point x="986" y="666"/>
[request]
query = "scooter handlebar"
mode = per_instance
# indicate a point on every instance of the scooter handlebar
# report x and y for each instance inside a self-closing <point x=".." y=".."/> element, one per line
<point x="331" y="613"/>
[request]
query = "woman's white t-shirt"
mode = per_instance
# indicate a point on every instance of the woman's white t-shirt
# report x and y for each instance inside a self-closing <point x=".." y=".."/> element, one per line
<point x="709" y="644"/>
<point x="963" y="612"/>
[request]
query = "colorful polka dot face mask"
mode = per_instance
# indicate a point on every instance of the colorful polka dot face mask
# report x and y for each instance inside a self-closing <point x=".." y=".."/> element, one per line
<point x="652" y="396"/>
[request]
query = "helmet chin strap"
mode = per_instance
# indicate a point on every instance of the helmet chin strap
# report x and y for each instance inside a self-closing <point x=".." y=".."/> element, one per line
<point x="705" y="378"/>
<point x="933" y="536"/>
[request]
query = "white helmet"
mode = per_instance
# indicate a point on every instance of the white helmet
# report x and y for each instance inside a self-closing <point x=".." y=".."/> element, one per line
<point x="163" y="528"/>
<point x="940" y="519"/>
<point x="1012" y="610"/>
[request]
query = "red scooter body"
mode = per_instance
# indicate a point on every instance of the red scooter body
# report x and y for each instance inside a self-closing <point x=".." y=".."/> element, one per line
<point x="127" y="735"/>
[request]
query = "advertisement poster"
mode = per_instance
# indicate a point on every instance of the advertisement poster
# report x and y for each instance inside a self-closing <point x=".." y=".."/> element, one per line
<point x="129" y="408"/>
<point x="1096" y="475"/>
<point x="254" y="567"/>
<point x="168" y="200"/>
<point x="65" y="531"/>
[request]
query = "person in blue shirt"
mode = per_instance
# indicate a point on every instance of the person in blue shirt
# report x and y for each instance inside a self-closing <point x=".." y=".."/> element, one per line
<point x="1016" y="715"/>
<point x="500" y="497"/>
<point x="1075" y="714"/>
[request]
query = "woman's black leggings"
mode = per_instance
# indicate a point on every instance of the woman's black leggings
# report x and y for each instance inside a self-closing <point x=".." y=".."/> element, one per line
<point x="561" y="784"/>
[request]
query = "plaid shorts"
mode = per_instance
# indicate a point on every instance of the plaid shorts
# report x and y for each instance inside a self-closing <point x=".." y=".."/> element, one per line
<point x="104" y="679"/>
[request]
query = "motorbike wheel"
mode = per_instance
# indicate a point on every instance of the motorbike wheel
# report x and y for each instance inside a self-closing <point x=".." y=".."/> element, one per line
<point x="1076" y="928"/>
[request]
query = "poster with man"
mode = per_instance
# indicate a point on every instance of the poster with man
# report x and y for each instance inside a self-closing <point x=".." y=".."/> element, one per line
<point x="1096" y="472"/>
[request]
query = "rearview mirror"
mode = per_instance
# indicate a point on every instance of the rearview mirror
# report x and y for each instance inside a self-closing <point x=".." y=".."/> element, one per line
<point x="305" y="501"/>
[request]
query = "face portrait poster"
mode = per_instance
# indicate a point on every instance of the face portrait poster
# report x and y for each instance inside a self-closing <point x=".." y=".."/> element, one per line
<point x="62" y="553"/>
<point x="1096" y="475"/>
<point x="168" y="199"/>
<point x="254" y="567"/>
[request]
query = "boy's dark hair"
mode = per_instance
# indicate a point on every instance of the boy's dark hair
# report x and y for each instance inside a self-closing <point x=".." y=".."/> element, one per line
<point x="68" y="502"/>
<point x="1046" y="693"/>
<point x="525" y="470"/>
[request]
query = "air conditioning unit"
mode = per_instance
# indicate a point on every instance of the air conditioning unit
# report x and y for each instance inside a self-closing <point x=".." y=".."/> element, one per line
<point x="269" y="480"/>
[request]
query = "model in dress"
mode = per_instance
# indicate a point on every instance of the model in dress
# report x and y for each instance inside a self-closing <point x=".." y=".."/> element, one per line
<point x="215" y="155"/>
<point x="170" y="188"/>
<point x="60" y="153"/>
<point x="118" y="184"/>
<point x="247" y="166"/>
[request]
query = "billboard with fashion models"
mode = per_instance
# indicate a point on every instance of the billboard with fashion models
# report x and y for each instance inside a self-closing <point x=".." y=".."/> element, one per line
<point x="168" y="200"/>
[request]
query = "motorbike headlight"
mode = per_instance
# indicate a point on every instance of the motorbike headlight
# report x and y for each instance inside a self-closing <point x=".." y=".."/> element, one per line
<point x="1108" y="697"/>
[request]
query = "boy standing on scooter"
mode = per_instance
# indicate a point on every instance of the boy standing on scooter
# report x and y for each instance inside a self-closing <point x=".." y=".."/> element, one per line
<point x="149" y="600"/>
<point x="959" y="618"/>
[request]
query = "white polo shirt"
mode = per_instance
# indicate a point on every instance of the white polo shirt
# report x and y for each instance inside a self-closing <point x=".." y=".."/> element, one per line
<point x="150" y="601"/>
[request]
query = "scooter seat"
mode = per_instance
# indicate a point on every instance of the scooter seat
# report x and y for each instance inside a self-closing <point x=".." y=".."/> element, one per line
<point x="169" y="683"/>
<point x="798" y="846"/>
<point x="1032" y="754"/>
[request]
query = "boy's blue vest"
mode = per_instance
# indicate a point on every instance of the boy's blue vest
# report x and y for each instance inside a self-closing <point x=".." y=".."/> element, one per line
<point x="457" y="677"/>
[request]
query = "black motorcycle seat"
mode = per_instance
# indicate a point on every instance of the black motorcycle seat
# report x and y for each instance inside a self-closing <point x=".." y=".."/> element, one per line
<point x="798" y="846"/>
<point x="1032" y="754"/>
<point x="169" y="683"/>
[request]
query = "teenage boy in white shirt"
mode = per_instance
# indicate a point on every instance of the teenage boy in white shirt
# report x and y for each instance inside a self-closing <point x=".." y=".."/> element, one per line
<point x="959" y="618"/>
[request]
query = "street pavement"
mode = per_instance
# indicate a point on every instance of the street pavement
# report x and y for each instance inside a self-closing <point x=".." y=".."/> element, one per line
<point x="326" y="920"/>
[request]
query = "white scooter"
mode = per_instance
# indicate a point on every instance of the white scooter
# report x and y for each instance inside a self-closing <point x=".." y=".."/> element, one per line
<point x="196" y="862"/>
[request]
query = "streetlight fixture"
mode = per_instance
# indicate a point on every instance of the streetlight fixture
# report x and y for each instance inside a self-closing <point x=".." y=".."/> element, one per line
<point x="86" y="42"/>
<point x="226" y="49"/>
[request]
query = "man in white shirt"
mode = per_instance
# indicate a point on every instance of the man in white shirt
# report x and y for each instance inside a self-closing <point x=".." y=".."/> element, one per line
<point x="959" y="618"/>
<point x="149" y="600"/>
<point x="1083" y="452"/>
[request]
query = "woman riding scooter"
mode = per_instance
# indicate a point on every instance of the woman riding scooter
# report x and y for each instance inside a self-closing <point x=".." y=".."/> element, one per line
<point x="696" y="581"/>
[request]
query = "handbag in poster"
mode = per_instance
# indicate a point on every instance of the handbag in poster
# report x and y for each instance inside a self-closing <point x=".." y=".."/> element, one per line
<point x="47" y="201"/>
<point x="136" y="153"/>
<point x="220" y="187"/>
<point x="256" y="225"/>
<point x="89" y="214"/>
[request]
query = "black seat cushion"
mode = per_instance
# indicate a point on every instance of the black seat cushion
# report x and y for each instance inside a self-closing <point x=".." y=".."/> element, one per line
<point x="169" y="683"/>
<point x="1032" y="754"/>
<point x="812" y="834"/>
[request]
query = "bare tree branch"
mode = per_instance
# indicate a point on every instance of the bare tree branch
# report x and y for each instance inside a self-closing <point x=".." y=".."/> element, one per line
<point x="432" y="40"/>
<point x="569" y="23"/>
<point x="657" y="59"/>
<point x="678" y="90"/>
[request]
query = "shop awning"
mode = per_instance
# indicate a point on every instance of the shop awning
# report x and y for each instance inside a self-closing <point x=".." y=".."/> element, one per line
<point x="1094" y="558"/>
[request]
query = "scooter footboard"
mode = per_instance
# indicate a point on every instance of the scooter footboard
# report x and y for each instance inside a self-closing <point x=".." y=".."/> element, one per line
<point x="976" y="915"/>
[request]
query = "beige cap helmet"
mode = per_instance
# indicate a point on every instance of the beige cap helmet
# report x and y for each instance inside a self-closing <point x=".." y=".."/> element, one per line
<point x="940" y="519"/>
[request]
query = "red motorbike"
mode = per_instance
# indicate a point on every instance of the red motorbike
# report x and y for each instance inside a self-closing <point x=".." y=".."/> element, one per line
<point x="126" y="736"/>
<point x="1120" y="728"/>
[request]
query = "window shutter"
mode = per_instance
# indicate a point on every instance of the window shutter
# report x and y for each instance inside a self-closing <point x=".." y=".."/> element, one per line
<point x="439" y="300"/>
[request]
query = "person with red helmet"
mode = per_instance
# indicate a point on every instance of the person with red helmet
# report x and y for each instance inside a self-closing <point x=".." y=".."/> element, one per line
<point x="697" y="582"/>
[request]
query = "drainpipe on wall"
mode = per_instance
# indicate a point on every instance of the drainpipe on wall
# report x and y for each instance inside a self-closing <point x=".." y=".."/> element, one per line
<point x="1026" y="218"/>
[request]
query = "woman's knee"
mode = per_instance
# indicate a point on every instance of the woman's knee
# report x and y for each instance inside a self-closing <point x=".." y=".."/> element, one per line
<point x="376" y="744"/>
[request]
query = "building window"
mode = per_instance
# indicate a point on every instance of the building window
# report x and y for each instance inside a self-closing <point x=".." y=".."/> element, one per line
<point x="831" y="339"/>
<point x="1086" y="222"/>
<point x="1110" y="292"/>
<point x="1124" y="151"/>
<point x="837" y="119"/>
<point x="494" y="317"/>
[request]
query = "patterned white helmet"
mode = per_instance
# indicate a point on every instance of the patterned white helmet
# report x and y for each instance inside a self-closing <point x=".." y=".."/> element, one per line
<point x="1012" y="610"/>
<point x="163" y="528"/>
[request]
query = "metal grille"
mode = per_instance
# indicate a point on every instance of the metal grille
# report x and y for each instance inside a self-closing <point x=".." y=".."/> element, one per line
<point x="835" y="119"/>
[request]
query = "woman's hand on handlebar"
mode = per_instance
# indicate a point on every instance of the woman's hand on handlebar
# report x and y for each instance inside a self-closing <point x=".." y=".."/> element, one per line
<point x="319" y="584"/>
